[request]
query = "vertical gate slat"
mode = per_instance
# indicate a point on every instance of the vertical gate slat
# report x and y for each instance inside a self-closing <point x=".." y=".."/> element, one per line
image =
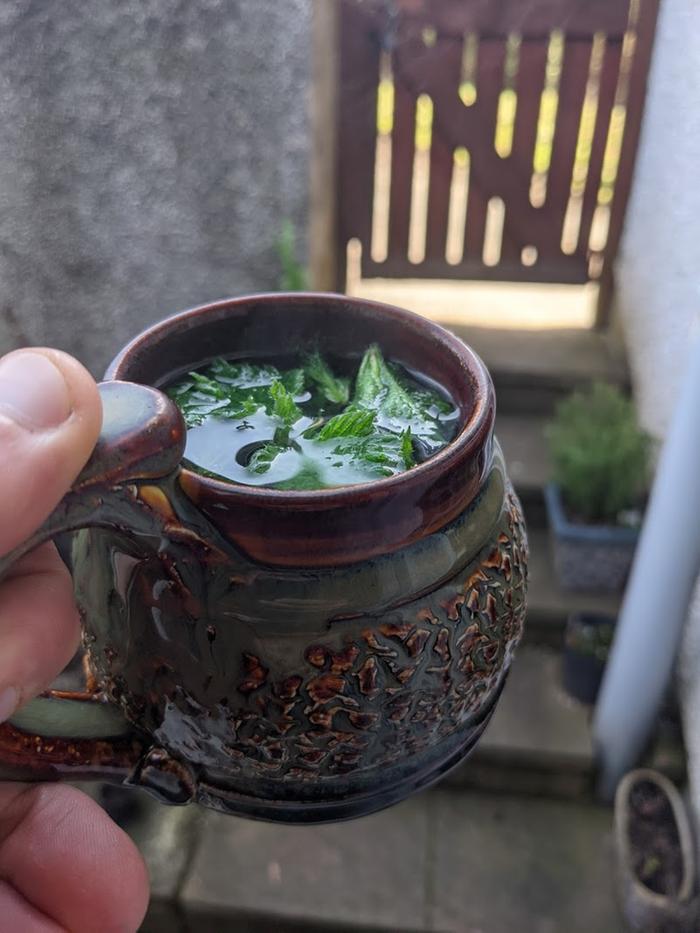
<point x="402" y="145"/>
<point x="606" y="99"/>
<point x="532" y="65"/>
<point x="426" y="38"/>
<point x="447" y="64"/>
<point x="572" y="90"/>
<point x="483" y="173"/>
<point x="438" y="199"/>
<point x="635" y="105"/>
<point x="357" y="131"/>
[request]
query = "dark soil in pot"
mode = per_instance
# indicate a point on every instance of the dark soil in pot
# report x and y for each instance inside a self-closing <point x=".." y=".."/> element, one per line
<point x="654" y="840"/>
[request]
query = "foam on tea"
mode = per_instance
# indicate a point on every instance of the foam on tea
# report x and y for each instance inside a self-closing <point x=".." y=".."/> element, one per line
<point x="311" y="426"/>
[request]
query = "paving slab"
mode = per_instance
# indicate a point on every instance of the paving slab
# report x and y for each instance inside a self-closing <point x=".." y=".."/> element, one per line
<point x="364" y="873"/>
<point x="535" y="718"/>
<point x="506" y="864"/>
<point x="539" y="740"/>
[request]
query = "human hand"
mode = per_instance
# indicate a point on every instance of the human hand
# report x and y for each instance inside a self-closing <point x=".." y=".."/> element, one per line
<point x="63" y="864"/>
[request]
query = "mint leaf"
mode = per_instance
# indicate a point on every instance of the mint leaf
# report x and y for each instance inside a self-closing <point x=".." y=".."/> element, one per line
<point x="353" y="422"/>
<point x="283" y="405"/>
<point x="334" y="388"/>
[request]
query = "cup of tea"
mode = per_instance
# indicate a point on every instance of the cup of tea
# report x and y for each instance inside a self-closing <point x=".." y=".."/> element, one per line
<point x="298" y="560"/>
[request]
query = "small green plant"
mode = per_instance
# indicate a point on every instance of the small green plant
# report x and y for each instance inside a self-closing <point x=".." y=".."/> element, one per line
<point x="601" y="457"/>
<point x="293" y="277"/>
<point x="590" y="640"/>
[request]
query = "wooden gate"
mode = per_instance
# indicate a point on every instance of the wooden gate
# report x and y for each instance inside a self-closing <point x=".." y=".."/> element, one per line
<point x="489" y="139"/>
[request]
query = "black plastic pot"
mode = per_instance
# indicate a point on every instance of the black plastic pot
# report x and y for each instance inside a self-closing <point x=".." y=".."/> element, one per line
<point x="586" y="644"/>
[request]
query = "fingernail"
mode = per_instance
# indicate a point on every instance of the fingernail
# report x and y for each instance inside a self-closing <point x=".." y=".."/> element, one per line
<point x="33" y="391"/>
<point x="9" y="698"/>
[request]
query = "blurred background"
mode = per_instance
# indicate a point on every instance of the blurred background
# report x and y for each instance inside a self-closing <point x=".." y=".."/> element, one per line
<point x="521" y="171"/>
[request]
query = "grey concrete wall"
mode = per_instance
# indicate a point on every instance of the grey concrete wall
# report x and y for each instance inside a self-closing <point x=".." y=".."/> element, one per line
<point x="149" y="151"/>
<point x="659" y="273"/>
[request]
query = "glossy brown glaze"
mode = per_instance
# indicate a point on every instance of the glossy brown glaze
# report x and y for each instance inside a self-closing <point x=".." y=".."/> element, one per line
<point x="26" y="757"/>
<point x="295" y="656"/>
<point x="325" y="528"/>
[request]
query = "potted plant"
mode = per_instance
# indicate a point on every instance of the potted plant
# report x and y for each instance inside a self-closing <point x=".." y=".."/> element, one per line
<point x="601" y="460"/>
<point x="655" y="854"/>
<point x="587" y="642"/>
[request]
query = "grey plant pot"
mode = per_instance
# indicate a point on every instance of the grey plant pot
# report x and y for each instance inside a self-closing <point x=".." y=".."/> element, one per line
<point x="588" y="557"/>
<point x="644" y="910"/>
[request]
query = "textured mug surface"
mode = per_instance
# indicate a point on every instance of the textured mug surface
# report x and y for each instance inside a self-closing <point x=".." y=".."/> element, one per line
<point x="297" y="656"/>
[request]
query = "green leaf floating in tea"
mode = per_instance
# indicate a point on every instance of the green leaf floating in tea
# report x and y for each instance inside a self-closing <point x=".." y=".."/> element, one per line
<point x="397" y="407"/>
<point x="283" y="405"/>
<point x="301" y="428"/>
<point x="350" y="423"/>
<point x="334" y="388"/>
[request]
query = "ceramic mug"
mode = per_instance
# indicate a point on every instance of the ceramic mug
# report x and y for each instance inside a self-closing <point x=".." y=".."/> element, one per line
<point x="289" y="655"/>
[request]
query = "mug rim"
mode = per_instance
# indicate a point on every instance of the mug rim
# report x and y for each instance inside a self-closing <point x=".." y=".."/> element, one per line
<point x="475" y="428"/>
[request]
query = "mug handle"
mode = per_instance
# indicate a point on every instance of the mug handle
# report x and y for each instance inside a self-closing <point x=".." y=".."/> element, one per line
<point x="81" y="736"/>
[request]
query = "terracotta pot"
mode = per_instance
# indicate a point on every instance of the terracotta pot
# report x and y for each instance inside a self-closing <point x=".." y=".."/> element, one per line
<point x="288" y="655"/>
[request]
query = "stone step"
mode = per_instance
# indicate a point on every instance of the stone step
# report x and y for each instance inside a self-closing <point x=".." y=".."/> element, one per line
<point x="539" y="740"/>
<point x="522" y="438"/>
<point x="533" y="369"/>
<point x="548" y="605"/>
<point x="440" y="861"/>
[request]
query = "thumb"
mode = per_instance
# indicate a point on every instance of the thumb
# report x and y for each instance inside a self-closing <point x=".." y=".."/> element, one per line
<point x="50" y="417"/>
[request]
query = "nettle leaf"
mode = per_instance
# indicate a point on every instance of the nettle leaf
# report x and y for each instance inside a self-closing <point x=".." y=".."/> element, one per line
<point x="397" y="407"/>
<point x="262" y="458"/>
<point x="237" y="409"/>
<point x="353" y="422"/>
<point x="283" y="405"/>
<point x="428" y="399"/>
<point x="197" y="397"/>
<point x="200" y="397"/>
<point x="294" y="382"/>
<point x="390" y="423"/>
<point x="244" y="375"/>
<point x="334" y="388"/>
<point x="378" y="454"/>
<point x="306" y="478"/>
<point x="407" y="449"/>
